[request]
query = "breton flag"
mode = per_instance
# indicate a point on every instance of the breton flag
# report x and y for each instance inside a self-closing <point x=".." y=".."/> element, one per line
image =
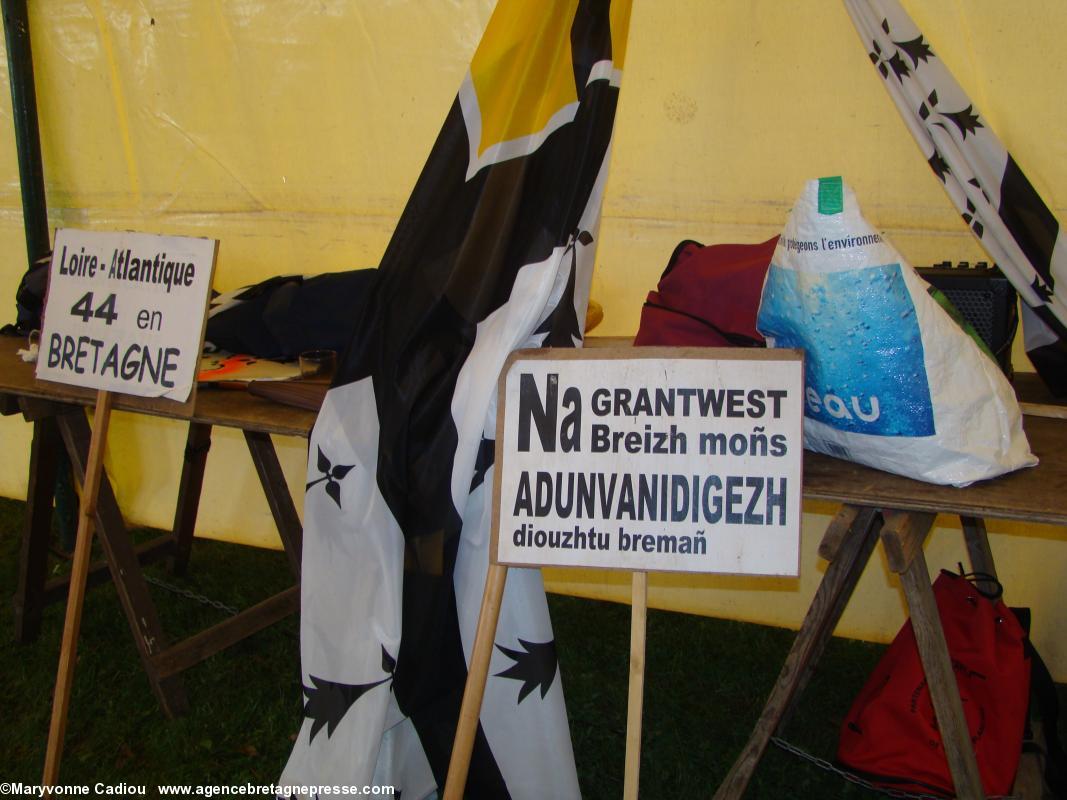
<point x="493" y="252"/>
<point x="997" y="201"/>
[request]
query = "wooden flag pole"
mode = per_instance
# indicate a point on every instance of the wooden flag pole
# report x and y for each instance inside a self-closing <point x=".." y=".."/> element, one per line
<point x="477" y="675"/>
<point x="636" y="701"/>
<point x="76" y="597"/>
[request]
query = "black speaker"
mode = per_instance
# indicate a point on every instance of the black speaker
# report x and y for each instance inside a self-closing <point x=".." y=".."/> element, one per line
<point x="984" y="298"/>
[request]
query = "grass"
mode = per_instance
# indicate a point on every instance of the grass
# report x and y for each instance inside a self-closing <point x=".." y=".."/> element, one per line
<point x="706" y="681"/>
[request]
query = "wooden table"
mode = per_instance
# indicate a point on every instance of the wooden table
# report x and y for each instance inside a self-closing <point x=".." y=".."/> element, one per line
<point x="58" y="416"/>
<point x="900" y="512"/>
<point x="876" y="506"/>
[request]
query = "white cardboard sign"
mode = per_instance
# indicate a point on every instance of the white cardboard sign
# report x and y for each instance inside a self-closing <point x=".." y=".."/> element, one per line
<point x="125" y="312"/>
<point x="651" y="459"/>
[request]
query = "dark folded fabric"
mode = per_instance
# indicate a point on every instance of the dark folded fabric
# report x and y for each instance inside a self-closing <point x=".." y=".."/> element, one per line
<point x="284" y="316"/>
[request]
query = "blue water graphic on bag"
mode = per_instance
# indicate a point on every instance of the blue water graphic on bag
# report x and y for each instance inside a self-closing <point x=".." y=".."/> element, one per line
<point x="864" y="354"/>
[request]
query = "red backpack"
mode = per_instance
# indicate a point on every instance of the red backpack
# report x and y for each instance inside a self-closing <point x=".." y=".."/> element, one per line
<point x="708" y="296"/>
<point x="890" y="734"/>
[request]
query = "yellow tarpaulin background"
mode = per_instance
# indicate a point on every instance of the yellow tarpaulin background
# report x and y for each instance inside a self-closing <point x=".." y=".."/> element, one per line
<point x="293" y="131"/>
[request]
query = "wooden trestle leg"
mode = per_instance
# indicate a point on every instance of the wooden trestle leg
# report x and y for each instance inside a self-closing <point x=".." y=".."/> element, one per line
<point x="831" y="597"/>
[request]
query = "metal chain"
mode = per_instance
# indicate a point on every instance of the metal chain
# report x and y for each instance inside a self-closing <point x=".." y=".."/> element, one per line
<point x="189" y="594"/>
<point x="823" y="764"/>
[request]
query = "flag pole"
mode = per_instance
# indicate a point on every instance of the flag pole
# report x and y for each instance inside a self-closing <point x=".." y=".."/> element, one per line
<point x="477" y="675"/>
<point x="635" y="703"/>
<point x="76" y="594"/>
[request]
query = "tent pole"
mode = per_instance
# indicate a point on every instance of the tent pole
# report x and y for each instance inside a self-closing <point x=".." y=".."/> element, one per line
<point x="27" y="130"/>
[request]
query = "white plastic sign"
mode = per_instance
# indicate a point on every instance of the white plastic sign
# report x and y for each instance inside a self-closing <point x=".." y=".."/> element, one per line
<point x="649" y="461"/>
<point x="125" y="312"/>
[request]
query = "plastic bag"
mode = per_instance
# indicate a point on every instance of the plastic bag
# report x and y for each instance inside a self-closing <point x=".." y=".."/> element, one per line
<point x="891" y="380"/>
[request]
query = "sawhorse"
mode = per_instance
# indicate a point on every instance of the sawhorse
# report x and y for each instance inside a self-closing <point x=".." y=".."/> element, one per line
<point x="59" y="424"/>
<point x="847" y="544"/>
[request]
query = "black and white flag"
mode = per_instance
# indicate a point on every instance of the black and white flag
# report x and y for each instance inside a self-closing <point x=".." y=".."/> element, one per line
<point x="997" y="201"/>
<point x="493" y="252"/>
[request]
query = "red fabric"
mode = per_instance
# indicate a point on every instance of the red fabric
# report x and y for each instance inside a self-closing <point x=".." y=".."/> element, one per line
<point x="707" y="296"/>
<point x="890" y="732"/>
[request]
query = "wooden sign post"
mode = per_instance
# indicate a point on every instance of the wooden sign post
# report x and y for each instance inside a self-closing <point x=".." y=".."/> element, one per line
<point x="125" y="313"/>
<point x="648" y="459"/>
<point x="635" y="700"/>
<point x="79" y="571"/>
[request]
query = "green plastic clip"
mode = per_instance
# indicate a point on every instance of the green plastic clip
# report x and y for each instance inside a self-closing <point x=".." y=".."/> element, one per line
<point x="831" y="195"/>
